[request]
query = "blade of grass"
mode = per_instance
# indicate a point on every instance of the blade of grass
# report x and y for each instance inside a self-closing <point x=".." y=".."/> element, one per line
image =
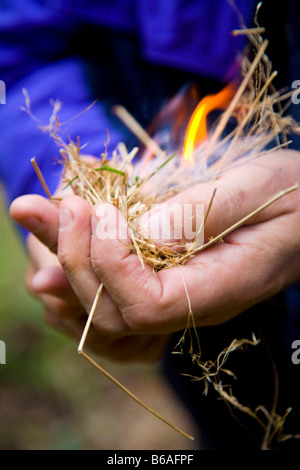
<point x="109" y="168"/>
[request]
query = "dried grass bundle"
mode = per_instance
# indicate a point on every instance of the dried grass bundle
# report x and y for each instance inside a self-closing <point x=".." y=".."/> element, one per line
<point x="260" y="126"/>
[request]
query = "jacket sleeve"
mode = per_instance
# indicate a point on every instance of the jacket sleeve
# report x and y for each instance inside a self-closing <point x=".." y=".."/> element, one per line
<point x="36" y="54"/>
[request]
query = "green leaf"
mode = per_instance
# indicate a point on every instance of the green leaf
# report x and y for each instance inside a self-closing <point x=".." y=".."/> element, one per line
<point x="109" y="168"/>
<point x="167" y="161"/>
<point x="70" y="182"/>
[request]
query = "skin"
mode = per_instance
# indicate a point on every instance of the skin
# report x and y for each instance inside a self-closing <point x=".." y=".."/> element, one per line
<point x="139" y="310"/>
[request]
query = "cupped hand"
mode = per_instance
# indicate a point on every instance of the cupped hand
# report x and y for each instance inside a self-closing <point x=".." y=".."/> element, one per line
<point x="63" y="309"/>
<point x="255" y="262"/>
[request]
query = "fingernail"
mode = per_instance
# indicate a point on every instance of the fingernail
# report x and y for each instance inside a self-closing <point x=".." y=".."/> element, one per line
<point x="65" y="219"/>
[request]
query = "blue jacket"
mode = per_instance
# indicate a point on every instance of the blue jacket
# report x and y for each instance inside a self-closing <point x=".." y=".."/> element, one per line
<point x="51" y="48"/>
<point x="59" y="49"/>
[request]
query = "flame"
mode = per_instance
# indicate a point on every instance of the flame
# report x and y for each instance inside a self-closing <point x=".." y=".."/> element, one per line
<point x="196" y="130"/>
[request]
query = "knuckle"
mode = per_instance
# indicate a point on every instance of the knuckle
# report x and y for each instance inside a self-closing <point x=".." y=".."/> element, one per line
<point x="65" y="258"/>
<point x="98" y="263"/>
<point x="138" y="321"/>
<point x="142" y="318"/>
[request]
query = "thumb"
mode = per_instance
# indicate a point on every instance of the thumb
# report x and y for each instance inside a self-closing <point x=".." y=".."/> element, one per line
<point x="228" y="199"/>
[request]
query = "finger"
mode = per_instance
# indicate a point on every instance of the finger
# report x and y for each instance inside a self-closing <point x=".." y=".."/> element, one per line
<point x="130" y="348"/>
<point x="39" y="216"/>
<point x="127" y="281"/>
<point x="238" y="192"/>
<point x="73" y="326"/>
<point x="231" y="277"/>
<point x="53" y="281"/>
<point x="74" y="247"/>
<point x="45" y="274"/>
<point x="131" y="285"/>
<point x="74" y="255"/>
<point x="58" y="314"/>
<point x="39" y="253"/>
<point x="54" y="291"/>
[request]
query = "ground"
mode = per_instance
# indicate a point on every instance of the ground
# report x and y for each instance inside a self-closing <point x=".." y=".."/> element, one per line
<point x="51" y="398"/>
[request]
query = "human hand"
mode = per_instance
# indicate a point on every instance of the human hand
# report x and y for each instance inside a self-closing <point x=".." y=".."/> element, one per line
<point x="47" y="281"/>
<point x="255" y="262"/>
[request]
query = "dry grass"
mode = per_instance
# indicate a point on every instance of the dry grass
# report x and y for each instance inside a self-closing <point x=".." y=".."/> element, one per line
<point x="260" y="127"/>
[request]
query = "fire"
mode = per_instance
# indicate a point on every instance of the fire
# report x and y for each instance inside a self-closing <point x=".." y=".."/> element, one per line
<point x="197" y="129"/>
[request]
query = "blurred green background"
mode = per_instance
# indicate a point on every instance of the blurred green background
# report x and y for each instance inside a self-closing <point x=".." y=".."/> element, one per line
<point x="51" y="398"/>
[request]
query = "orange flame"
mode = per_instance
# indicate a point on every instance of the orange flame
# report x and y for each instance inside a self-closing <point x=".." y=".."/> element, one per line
<point x="196" y="130"/>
